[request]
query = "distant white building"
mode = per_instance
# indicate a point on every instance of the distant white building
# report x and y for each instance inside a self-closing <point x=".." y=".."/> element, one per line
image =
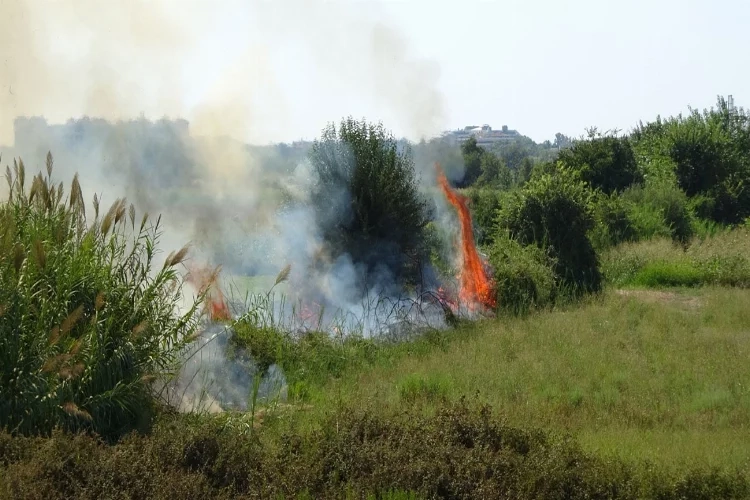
<point x="484" y="135"/>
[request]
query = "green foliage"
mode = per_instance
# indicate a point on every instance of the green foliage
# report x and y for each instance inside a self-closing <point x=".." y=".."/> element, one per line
<point x="524" y="276"/>
<point x="86" y="326"/>
<point x="720" y="259"/>
<point x="367" y="199"/>
<point x="613" y="222"/>
<point x="669" y="274"/>
<point x="709" y="152"/>
<point x="419" y="387"/>
<point x="494" y="172"/>
<point x="554" y="211"/>
<point x="484" y="203"/>
<point x="483" y="167"/>
<point x="472" y="154"/>
<point x="460" y="451"/>
<point x="438" y="240"/>
<point x="605" y="162"/>
<point x="308" y="360"/>
<point x="661" y="198"/>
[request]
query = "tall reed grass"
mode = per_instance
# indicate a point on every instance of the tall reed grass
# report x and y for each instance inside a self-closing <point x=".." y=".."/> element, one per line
<point x="87" y="322"/>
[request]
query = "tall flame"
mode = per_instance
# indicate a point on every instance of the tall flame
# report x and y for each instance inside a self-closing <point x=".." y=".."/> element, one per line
<point x="476" y="287"/>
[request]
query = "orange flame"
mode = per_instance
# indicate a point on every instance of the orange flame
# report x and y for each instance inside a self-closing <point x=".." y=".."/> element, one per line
<point x="206" y="279"/>
<point x="476" y="287"/>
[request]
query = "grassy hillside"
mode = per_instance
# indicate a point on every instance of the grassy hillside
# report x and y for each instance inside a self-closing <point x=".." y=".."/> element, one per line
<point x="638" y="374"/>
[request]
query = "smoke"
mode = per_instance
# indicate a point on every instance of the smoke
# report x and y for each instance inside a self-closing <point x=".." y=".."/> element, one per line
<point x="131" y="64"/>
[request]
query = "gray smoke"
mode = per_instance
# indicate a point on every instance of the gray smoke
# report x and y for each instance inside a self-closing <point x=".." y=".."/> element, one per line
<point x="120" y="66"/>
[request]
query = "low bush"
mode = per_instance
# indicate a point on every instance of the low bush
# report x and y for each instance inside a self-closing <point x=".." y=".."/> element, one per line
<point x="524" y="276"/>
<point x="459" y="451"/>
<point x="86" y="324"/>
<point x="660" y="208"/>
<point x="613" y="222"/>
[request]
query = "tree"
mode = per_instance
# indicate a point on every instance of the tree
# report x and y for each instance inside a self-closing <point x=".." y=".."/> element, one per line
<point x="367" y="199"/>
<point x="472" y="154"/>
<point x="605" y="162"/>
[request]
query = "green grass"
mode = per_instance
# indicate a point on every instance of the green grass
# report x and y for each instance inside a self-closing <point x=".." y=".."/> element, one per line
<point x="644" y="375"/>
<point x="721" y="259"/>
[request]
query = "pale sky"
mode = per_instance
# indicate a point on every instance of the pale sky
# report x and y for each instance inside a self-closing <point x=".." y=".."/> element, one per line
<point x="279" y="71"/>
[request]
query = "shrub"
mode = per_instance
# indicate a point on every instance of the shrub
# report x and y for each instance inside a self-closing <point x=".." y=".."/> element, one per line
<point x="613" y="223"/>
<point x="484" y="203"/>
<point x="661" y="208"/>
<point x="708" y="152"/>
<point x="367" y="199"/>
<point x="459" y="450"/>
<point x="524" y="276"/>
<point x="85" y="326"/>
<point x="555" y="211"/>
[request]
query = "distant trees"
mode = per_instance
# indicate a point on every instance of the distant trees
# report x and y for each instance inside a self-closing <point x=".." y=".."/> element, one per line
<point x="605" y="162"/>
<point x="367" y="199"/>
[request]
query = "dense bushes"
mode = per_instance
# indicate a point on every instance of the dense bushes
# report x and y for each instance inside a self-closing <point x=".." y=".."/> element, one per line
<point x="554" y="211"/>
<point x="461" y="451"/>
<point x="85" y="325"/>
<point x="709" y="152"/>
<point x="604" y="162"/>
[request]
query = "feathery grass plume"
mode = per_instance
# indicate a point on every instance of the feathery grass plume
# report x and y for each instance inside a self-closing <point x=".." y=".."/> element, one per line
<point x="73" y="318"/>
<point x="19" y="255"/>
<point x="53" y="364"/>
<point x="132" y="216"/>
<point x="176" y="258"/>
<point x="49" y="163"/>
<point x="96" y="206"/>
<point x="120" y="213"/>
<point x="148" y="378"/>
<point x="76" y="347"/>
<point x="72" y="409"/>
<point x="9" y="180"/>
<point x="34" y="191"/>
<point x="20" y="172"/>
<point x="54" y="335"/>
<point x="76" y="195"/>
<point x="39" y="255"/>
<point x="139" y="329"/>
<point x="109" y="218"/>
<point x="71" y="372"/>
<point x="99" y="301"/>
<point x="283" y="274"/>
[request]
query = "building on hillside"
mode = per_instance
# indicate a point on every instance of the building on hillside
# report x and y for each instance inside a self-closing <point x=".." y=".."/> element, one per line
<point x="484" y="135"/>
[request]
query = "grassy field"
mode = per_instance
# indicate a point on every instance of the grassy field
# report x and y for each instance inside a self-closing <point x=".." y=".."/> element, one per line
<point x="640" y="374"/>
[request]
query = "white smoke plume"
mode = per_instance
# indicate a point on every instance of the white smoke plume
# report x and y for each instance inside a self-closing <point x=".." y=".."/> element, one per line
<point x="126" y="64"/>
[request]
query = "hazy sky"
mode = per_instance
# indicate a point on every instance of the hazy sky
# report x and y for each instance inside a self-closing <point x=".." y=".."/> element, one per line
<point x="278" y="71"/>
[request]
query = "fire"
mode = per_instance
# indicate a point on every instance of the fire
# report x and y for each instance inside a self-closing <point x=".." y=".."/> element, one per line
<point x="206" y="279"/>
<point x="476" y="287"/>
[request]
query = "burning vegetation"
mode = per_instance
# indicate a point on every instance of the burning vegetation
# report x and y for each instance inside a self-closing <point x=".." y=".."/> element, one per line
<point x="476" y="288"/>
<point x="206" y="279"/>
